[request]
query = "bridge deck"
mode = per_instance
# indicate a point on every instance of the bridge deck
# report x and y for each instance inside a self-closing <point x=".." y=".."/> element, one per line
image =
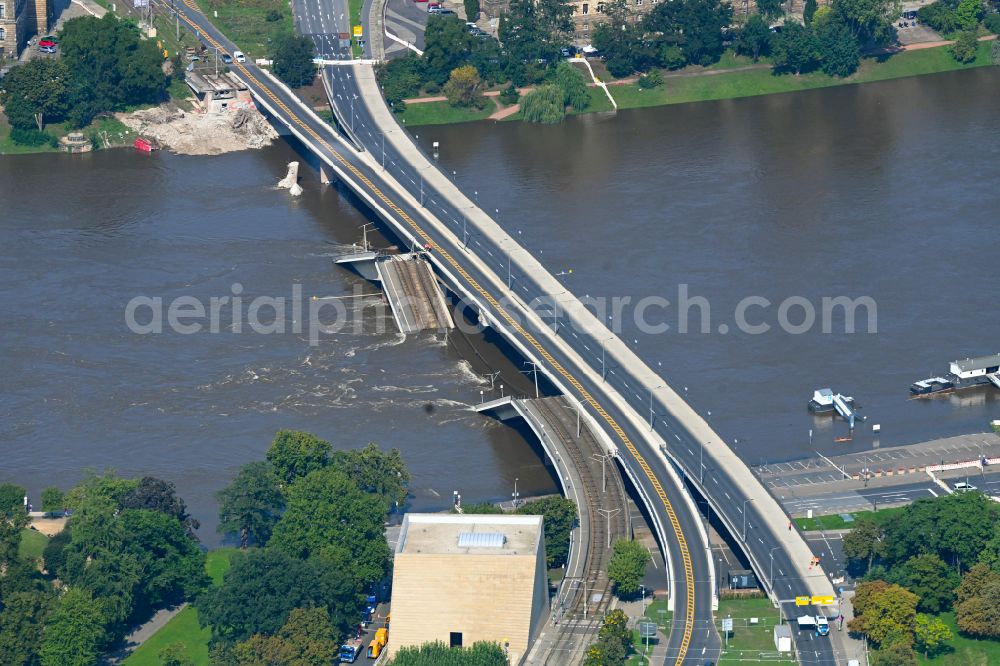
<point x="414" y="295"/>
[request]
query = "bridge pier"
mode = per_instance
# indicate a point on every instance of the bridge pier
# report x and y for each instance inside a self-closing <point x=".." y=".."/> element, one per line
<point x="324" y="176"/>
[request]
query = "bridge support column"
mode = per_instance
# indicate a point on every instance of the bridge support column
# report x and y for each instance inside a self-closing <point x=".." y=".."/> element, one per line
<point x="324" y="177"/>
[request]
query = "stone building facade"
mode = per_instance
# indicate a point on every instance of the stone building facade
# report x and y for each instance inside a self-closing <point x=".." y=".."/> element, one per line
<point x="20" y="20"/>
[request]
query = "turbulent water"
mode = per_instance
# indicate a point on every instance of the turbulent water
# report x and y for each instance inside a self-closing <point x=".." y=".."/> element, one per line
<point x="885" y="190"/>
<point x="80" y="237"/>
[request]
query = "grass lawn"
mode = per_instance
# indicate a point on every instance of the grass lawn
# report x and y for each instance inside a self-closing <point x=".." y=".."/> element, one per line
<point x="184" y="628"/>
<point x="442" y="113"/>
<point x="246" y="25"/>
<point x="965" y="651"/>
<point x="836" y="522"/>
<point x="762" y="81"/>
<point x="32" y="544"/>
<point x="750" y="642"/>
<point x="354" y="8"/>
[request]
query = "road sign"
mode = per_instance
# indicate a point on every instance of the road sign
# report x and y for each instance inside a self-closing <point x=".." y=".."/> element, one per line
<point x="647" y="629"/>
<point x="727" y="624"/>
<point x="357" y="31"/>
<point x="822" y="601"/>
<point x="803" y="601"/>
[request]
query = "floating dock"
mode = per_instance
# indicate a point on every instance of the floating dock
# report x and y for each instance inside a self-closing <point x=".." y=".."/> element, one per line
<point x="825" y="401"/>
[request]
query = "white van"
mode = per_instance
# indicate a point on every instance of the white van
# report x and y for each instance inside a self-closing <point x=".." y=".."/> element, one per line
<point x="239" y="56"/>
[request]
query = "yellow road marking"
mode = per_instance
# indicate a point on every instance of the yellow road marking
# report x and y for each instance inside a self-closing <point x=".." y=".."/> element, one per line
<point x="528" y="337"/>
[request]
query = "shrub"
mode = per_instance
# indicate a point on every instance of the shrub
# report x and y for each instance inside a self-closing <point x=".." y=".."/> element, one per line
<point x="29" y="137"/>
<point x="651" y="80"/>
<point x="471" y="10"/>
<point x="544" y="105"/>
<point x="992" y="23"/>
<point x="620" y="66"/>
<point x="464" y="88"/>
<point x="52" y="499"/>
<point x="965" y="47"/>
<point x="432" y="88"/>
<point x="509" y="95"/>
<point x="273" y="16"/>
<point x="995" y="57"/>
<point x="939" y="16"/>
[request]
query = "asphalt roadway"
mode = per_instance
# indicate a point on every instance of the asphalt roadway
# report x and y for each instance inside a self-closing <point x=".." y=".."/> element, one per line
<point x="694" y="638"/>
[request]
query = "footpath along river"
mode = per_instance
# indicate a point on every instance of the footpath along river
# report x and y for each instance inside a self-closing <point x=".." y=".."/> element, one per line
<point x="885" y="190"/>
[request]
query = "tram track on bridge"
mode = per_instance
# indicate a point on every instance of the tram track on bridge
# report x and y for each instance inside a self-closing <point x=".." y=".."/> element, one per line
<point x="685" y="565"/>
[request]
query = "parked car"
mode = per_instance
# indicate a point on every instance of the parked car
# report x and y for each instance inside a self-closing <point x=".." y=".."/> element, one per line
<point x="47" y="49"/>
<point x="46" y="41"/>
<point x="446" y="12"/>
<point x="962" y="487"/>
<point x="434" y="9"/>
<point x="239" y="56"/>
<point x="226" y="58"/>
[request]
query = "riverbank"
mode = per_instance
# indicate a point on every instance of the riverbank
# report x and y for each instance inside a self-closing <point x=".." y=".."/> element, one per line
<point x="728" y="83"/>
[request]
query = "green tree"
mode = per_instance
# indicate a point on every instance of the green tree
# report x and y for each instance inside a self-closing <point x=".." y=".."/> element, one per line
<point x="976" y="611"/>
<point x="755" y="38"/>
<point x="544" y="104"/>
<point x="306" y="639"/>
<point x="159" y="495"/>
<point x="969" y="13"/>
<point x="471" y="10"/>
<point x="694" y="25"/>
<point x="375" y="471"/>
<point x="293" y="60"/>
<point x="931" y="635"/>
<point x="795" y="48"/>
<point x="401" y="78"/>
<point x="329" y="515"/>
<point x="535" y="29"/>
<point x="11" y="496"/>
<point x="44" y="84"/>
<point x="295" y="454"/>
<point x="618" y="38"/>
<point x="559" y="516"/>
<point x="98" y="490"/>
<point x="863" y="544"/>
<point x="809" y="11"/>
<point x="510" y="95"/>
<point x="112" y="67"/>
<point x="52" y="497"/>
<point x="172" y="563"/>
<point x="252" y="504"/>
<point x="888" y="611"/>
<point x="966" y="47"/>
<point x="570" y="80"/>
<point x="838" y="48"/>
<point x="447" y="46"/>
<point x="174" y="655"/>
<point x="771" y="8"/>
<point x="74" y="632"/>
<point x="258" y="593"/>
<point x="627" y="567"/>
<point x="22" y="617"/>
<point x="464" y="88"/>
<point x="929" y="578"/>
<point x="899" y="653"/>
<point x="480" y="653"/>
<point x="868" y="19"/>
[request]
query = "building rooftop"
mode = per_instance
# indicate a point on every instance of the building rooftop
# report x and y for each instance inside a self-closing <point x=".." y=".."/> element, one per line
<point x="978" y="363"/>
<point x="456" y="534"/>
<point x="204" y="83"/>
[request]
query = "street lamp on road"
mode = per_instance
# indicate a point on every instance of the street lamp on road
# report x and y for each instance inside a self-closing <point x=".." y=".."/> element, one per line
<point x="514" y="495"/>
<point x="771" y="555"/>
<point x="745" y="502"/>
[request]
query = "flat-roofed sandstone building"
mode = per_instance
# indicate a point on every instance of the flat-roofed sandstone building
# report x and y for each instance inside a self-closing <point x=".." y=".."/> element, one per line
<point x="461" y="579"/>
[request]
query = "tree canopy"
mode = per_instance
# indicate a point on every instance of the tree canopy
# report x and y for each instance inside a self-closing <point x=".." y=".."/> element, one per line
<point x="111" y="66"/>
<point x="627" y="567"/>
<point x="42" y="88"/>
<point x="251" y="504"/>
<point x="480" y="653"/>
<point x="534" y="30"/>
<point x="328" y="515"/>
<point x="293" y="60"/>
<point x="295" y="454"/>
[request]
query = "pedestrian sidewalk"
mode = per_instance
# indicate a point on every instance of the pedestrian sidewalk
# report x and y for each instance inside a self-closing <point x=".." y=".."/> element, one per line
<point x="845" y="646"/>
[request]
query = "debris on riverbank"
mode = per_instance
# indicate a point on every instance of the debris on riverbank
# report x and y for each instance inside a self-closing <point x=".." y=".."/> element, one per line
<point x="202" y="134"/>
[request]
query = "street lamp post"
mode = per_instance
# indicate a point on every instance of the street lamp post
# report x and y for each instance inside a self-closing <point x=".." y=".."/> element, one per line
<point x="771" y="577"/>
<point x="515" y="494"/>
<point x="745" y="502"/>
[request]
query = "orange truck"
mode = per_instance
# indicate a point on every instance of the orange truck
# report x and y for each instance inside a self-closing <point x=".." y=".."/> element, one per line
<point x="378" y="643"/>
